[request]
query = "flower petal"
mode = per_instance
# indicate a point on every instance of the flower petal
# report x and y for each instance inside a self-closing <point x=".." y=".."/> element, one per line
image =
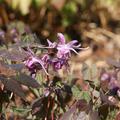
<point x="61" y="38"/>
<point x="73" y="42"/>
<point x="49" y="42"/>
<point x="74" y="50"/>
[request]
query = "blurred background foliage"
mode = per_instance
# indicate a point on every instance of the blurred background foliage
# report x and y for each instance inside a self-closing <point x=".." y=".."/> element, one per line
<point x="46" y="17"/>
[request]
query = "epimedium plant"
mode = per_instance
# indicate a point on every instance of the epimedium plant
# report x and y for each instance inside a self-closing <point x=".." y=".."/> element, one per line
<point x="31" y="68"/>
<point x="21" y="65"/>
<point x="57" y="58"/>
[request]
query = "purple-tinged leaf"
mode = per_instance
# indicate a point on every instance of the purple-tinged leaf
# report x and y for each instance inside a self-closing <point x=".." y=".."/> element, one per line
<point x="14" y="54"/>
<point x="110" y="100"/>
<point x="6" y="71"/>
<point x="70" y="114"/>
<point x="27" y="80"/>
<point x="39" y="106"/>
<point x="13" y="86"/>
<point x="17" y="67"/>
<point x="93" y="115"/>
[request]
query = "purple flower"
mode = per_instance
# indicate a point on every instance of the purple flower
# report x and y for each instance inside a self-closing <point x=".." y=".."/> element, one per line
<point x="45" y="59"/>
<point x="110" y="79"/>
<point x="105" y="77"/>
<point x="58" y="63"/>
<point x="33" y="63"/>
<point x="50" y="44"/>
<point x="62" y="54"/>
<point x="64" y="49"/>
<point x="2" y="34"/>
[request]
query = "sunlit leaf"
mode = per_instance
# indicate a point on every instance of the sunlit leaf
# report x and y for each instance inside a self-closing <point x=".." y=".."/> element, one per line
<point x="90" y="73"/>
<point x="85" y="95"/>
<point x="86" y="72"/>
<point x="20" y="110"/>
<point x="76" y="92"/>
<point x="14" y="4"/>
<point x="94" y="74"/>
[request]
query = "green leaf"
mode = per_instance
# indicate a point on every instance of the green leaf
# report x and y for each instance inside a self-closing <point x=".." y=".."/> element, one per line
<point x="39" y="3"/>
<point x="86" y="72"/>
<point x="20" y="110"/>
<point x="76" y="92"/>
<point x="70" y="7"/>
<point x="85" y="95"/>
<point x="90" y="73"/>
<point x="94" y="74"/>
<point x="1" y="1"/>
<point x="30" y="38"/>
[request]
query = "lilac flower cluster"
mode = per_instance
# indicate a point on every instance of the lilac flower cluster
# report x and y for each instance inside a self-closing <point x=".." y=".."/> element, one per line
<point x="110" y="81"/>
<point x="60" y="59"/>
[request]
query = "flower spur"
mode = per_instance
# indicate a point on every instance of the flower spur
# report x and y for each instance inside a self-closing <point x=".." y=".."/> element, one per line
<point x="34" y="63"/>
